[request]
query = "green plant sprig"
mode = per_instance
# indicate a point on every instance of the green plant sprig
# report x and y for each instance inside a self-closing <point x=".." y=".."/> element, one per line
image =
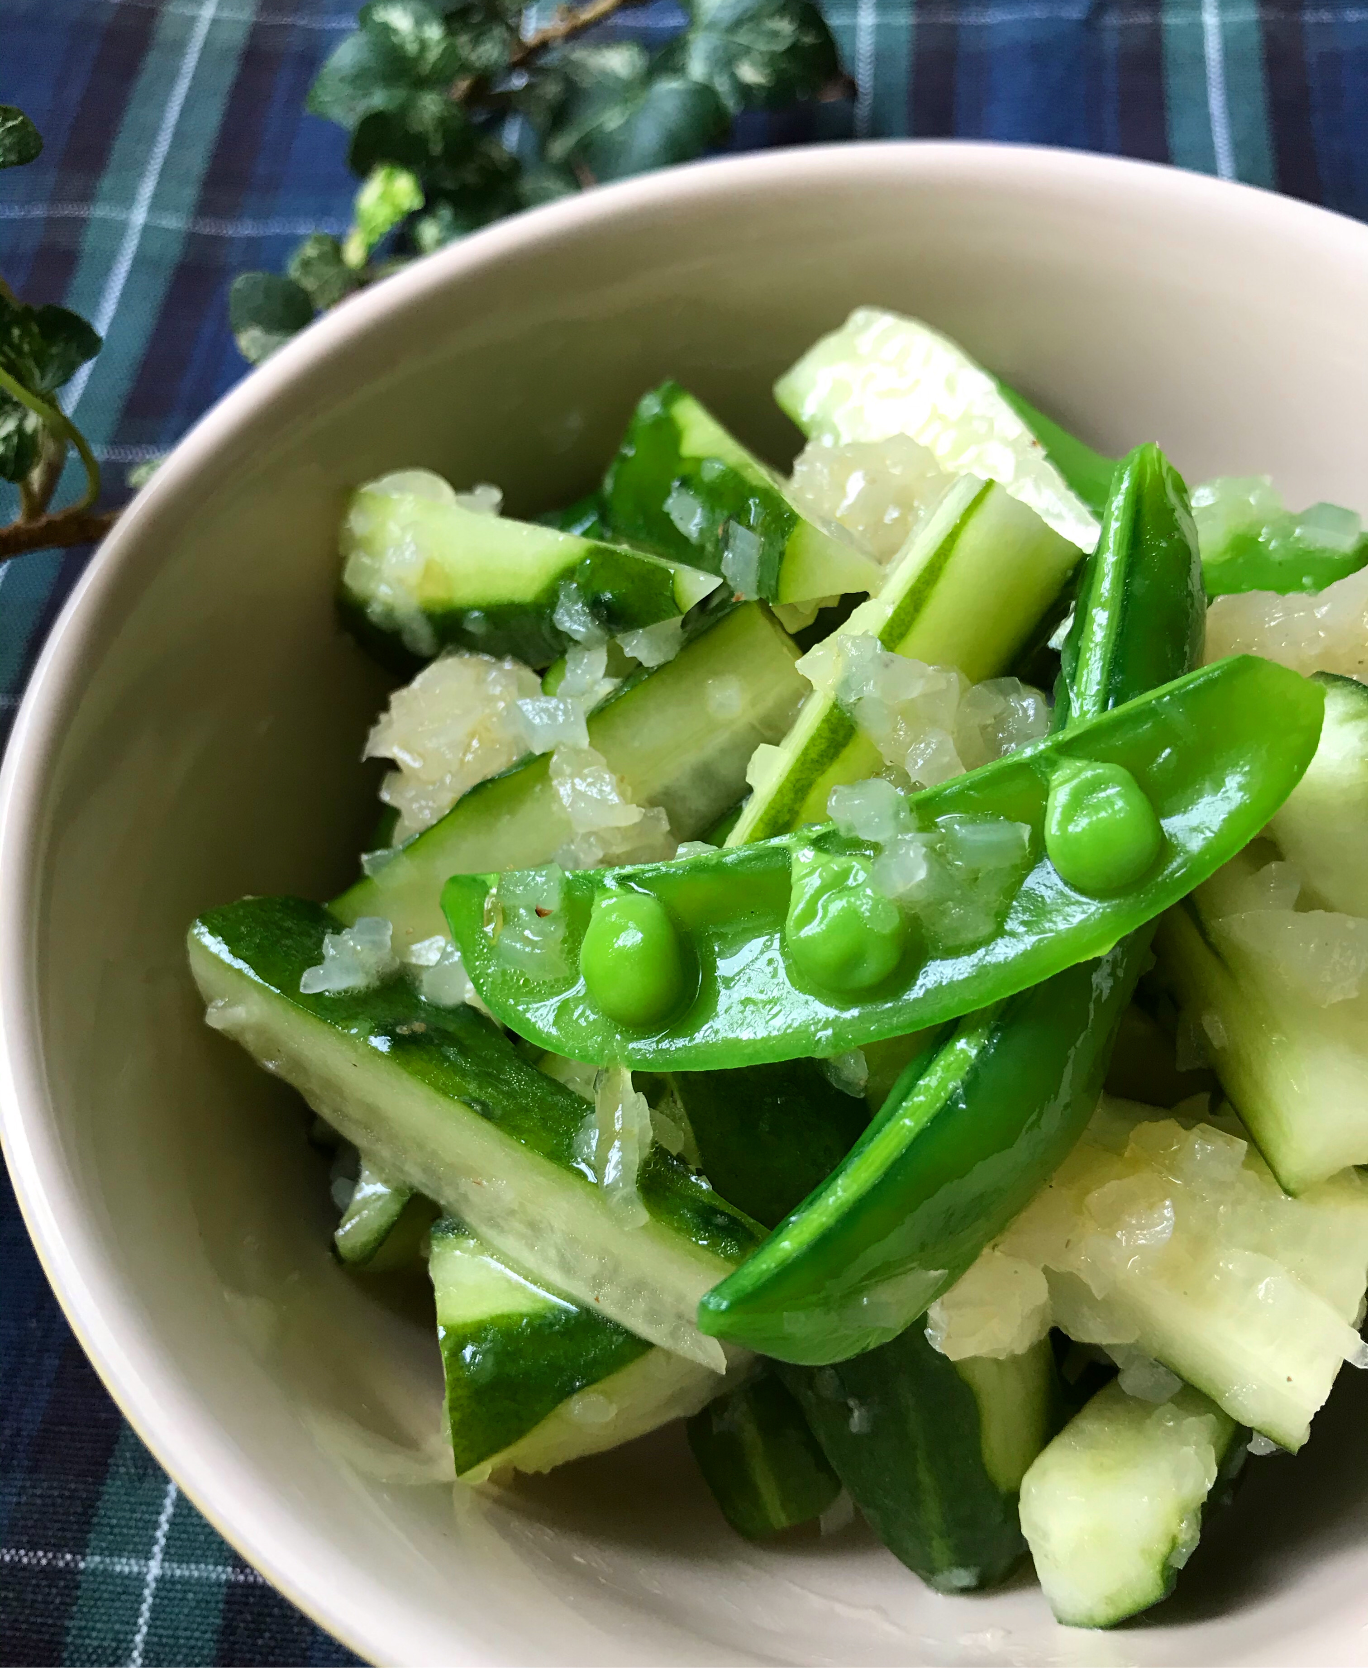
<point x="41" y="349"/>
<point x="426" y="93"/>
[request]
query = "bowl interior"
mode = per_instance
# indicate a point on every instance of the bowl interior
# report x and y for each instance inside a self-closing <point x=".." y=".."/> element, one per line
<point x="194" y="733"/>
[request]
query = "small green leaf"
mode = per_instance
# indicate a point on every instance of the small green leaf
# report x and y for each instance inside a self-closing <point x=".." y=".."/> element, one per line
<point x="265" y="311"/>
<point x="20" y="142"/>
<point x="43" y="347"/>
<point x="318" y="268"/>
<point x="401" y="48"/>
<point x="418" y="30"/>
<point x="387" y="196"/>
<point x="757" y="54"/>
<point x="422" y="134"/>
<point x="572" y="89"/>
<point x="142" y="473"/>
<point x="485" y="33"/>
<point x="449" y="218"/>
<point x="20" y="433"/>
<point x="658" y="122"/>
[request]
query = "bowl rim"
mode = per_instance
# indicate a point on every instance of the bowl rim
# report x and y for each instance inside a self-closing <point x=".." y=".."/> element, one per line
<point x="124" y="1349"/>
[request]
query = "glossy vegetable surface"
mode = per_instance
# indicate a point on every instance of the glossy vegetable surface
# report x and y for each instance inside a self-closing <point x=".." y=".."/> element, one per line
<point x="933" y="1451"/>
<point x="1215" y="753"/>
<point x="1011" y="1131"/>
<point x="441" y="575"/>
<point x="683" y="486"/>
<point x="964" y="1140"/>
<point x="443" y="1101"/>
<point x="761" y="1460"/>
<point x="533" y="1380"/>
<point x="766" y="1136"/>
<point x="966" y="591"/>
<point x="656" y="731"/>
<point x="1138" y="618"/>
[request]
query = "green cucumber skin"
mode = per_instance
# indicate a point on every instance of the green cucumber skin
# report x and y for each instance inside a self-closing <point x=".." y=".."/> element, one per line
<point x="902" y="1429"/>
<point x="622" y="590"/>
<point x="654" y="730"/>
<point x="730" y="487"/>
<point x="968" y="1134"/>
<point x="492" y="584"/>
<point x="768" y="1135"/>
<point x="506" y="1373"/>
<point x="1140" y="614"/>
<point x="760" y="1459"/>
<point x="978" y="542"/>
<point x="456" y="1053"/>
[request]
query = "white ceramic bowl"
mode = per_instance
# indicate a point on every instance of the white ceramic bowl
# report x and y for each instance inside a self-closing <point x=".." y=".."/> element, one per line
<point x="192" y="734"/>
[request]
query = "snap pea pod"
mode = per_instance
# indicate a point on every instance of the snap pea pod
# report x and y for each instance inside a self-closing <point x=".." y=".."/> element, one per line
<point x="681" y="485"/>
<point x="964" y="1140"/>
<point x="957" y="1120"/>
<point x="1138" y="617"/>
<point x="784" y="946"/>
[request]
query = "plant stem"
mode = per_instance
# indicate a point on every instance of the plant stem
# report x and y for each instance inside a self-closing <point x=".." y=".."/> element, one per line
<point x="55" y="419"/>
<point x="59" y="531"/>
<point x="37" y="488"/>
<point x="566" y="26"/>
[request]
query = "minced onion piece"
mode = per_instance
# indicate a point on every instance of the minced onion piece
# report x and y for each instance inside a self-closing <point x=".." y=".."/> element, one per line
<point x="357" y="958"/>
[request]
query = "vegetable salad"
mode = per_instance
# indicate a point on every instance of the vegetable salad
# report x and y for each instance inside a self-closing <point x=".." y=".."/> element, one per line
<point x="869" y="961"/>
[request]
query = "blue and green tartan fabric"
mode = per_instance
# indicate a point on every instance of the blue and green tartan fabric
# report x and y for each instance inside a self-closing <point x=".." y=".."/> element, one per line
<point x="178" y="154"/>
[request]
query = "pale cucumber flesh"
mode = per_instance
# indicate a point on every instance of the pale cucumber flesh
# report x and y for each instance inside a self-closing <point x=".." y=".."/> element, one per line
<point x="1113" y="1507"/>
<point x="881" y="374"/>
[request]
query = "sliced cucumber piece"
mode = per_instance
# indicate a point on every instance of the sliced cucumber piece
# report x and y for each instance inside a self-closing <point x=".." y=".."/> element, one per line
<point x="534" y="1380"/>
<point x="441" y="1098"/>
<point x="881" y="374"/>
<point x="768" y="1135"/>
<point x="966" y="592"/>
<point x="933" y="1451"/>
<point x="1112" y="1509"/>
<point x="760" y="1459"/>
<point x="1292" y="1063"/>
<point x="1177" y="1240"/>
<point x="384" y="1223"/>
<point x="683" y="486"/>
<point x="680" y="736"/>
<point x="418" y="562"/>
<point x="1321" y="826"/>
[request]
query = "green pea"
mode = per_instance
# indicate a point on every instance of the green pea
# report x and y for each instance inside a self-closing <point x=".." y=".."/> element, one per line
<point x="1102" y="833"/>
<point x="630" y="959"/>
<point x="840" y="932"/>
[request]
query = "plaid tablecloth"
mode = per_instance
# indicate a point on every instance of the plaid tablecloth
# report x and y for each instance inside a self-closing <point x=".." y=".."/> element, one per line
<point x="177" y="155"/>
